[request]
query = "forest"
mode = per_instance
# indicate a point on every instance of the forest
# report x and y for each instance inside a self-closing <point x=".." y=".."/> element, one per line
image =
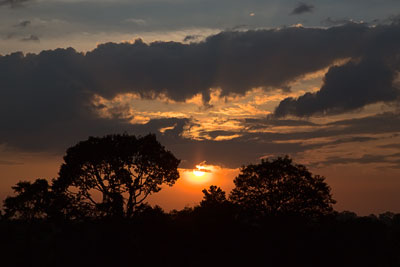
<point x="94" y="213"/>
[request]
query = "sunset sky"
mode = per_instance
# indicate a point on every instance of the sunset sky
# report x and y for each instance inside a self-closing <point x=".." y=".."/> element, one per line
<point x="222" y="83"/>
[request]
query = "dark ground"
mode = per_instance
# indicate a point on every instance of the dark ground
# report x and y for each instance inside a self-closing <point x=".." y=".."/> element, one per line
<point x="190" y="238"/>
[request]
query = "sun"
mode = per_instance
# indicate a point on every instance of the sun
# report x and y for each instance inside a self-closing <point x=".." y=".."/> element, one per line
<point x="198" y="173"/>
<point x="201" y="174"/>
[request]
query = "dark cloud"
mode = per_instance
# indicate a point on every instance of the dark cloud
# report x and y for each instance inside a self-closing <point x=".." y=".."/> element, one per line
<point x="391" y="159"/>
<point x="46" y="98"/>
<point x="354" y="139"/>
<point x="23" y="24"/>
<point x="31" y="38"/>
<point x="249" y="148"/>
<point x="13" y="3"/>
<point x="395" y="19"/>
<point x="252" y="145"/>
<point x="228" y="153"/>
<point x="384" y="123"/>
<point x="365" y="80"/>
<point x="192" y="38"/>
<point x="333" y="22"/>
<point x="302" y="8"/>
<point x="271" y="121"/>
<point x="345" y="88"/>
<point x="233" y="61"/>
<point x="241" y="27"/>
<point x="391" y="146"/>
<point x="388" y="122"/>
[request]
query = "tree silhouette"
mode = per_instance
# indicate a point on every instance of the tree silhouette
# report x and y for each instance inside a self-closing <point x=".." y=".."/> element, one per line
<point x="277" y="187"/>
<point x="215" y="209"/>
<point x="214" y="196"/>
<point x="39" y="200"/>
<point x="122" y="168"/>
<point x="31" y="200"/>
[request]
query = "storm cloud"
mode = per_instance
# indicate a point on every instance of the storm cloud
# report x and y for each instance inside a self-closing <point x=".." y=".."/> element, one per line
<point x="46" y="99"/>
<point x="369" y="79"/>
<point x="236" y="61"/>
<point x="345" y="88"/>
<point x="302" y="8"/>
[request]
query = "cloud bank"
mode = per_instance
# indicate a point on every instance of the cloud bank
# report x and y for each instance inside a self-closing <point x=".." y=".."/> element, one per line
<point x="46" y="99"/>
<point x="370" y="78"/>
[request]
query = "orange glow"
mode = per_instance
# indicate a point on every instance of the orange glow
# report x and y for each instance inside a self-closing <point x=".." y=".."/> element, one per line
<point x="201" y="175"/>
<point x="187" y="191"/>
<point x="198" y="172"/>
<point x="198" y="179"/>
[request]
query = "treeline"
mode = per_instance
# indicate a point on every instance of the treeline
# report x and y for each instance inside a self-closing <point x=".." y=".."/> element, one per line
<point x="95" y="214"/>
<point x="111" y="177"/>
<point x="217" y="235"/>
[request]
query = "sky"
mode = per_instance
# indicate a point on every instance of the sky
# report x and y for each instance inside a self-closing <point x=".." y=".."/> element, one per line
<point x="221" y="83"/>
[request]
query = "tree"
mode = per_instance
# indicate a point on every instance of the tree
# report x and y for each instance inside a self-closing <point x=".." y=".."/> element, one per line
<point x="214" y="208"/>
<point x="122" y="169"/>
<point x="31" y="200"/>
<point x="214" y="196"/>
<point x="277" y="187"/>
<point x="38" y="200"/>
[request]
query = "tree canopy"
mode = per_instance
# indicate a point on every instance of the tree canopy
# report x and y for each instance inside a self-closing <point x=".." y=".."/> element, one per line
<point x="38" y="200"/>
<point x="213" y="196"/>
<point x="31" y="202"/>
<point x="114" y="174"/>
<point x="277" y="187"/>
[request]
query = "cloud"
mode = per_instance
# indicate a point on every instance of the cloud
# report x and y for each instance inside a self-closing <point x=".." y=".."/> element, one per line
<point x="23" y="24"/>
<point x="368" y="79"/>
<point x="341" y="131"/>
<point x="333" y="22"/>
<point x="46" y="101"/>
<point x="302" y="8"/>
<point x="270" y="121"/>
<point x="13" y="3"/>
<point x="254" y="143"/>
<point x="194" y="37"/>
<point x="391" y="146"/>
<point x="345" y="88"/>
<point x="392" y="159"/>
<point x="268" y="59"/>
<point x="31" y="38"/>
<point x="136" y="21"/>
<point x="235" y="62"/>
<point x="388" y="122"/>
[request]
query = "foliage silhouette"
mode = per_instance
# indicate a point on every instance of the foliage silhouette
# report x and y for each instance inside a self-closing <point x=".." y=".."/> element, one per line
<point x="214" y="196"/>
<point x="32" y="200"/>
<point x="122" y="168"/>
<point x="215" y="229"/>
<point x="211" y="230"/>
<point x="38" y="200"/>
<point x="187" y="238"/>
<point x="279" y="187"/>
